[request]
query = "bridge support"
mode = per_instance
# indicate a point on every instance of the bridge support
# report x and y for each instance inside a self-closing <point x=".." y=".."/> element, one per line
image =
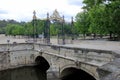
<point x="42" y="63"/>
<point x="75" y="74"/>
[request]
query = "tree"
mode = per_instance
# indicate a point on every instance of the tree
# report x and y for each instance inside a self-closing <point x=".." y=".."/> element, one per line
<point x="53" y="30"/>
<point x="40" y="26"/>
<point x="91" y="3"/>
<point x="82" y="23"/>
<point x="14" y="29"/>
<point x="112" y="18"/>
<point x="116" y="18"/>
<point x="96" y="16"/>
<point x="103" y="16"/>
<point x="28" y="29"/>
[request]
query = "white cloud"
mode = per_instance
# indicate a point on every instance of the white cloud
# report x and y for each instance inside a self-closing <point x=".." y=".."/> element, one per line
<point x="22" y="10"/>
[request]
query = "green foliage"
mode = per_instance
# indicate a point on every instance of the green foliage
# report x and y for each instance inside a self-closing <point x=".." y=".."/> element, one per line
<point x="90" y="3"/>
<point x="14" y="29"/>
<point x="28" y="29"/>
<point x="2" y="30"/>
<point x="82" y="22"/>
<point x="96" y="16"/>
<point x="53" y="30"/>
<point x="100" y="17"/>
<point x="67" y="28"/>
<point x="40" y="26"/>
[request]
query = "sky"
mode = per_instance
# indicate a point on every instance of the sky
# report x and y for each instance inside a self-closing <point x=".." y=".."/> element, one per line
<point x="22" y="10"/>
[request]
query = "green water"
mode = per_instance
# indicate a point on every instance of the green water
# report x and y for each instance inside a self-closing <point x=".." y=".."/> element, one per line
<point x="26" y="73"/>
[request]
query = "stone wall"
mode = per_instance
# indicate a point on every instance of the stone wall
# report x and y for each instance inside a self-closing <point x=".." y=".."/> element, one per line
<point x="80" y="54"/>
<point x="58" y="56"/>
<point x="16" y="55"/>
<point x="89" y="60"/>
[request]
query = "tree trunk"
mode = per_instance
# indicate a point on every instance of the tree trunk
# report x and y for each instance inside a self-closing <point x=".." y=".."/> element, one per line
<point x="94" y="36"/>
<point x="110" y="35"/>
<point x="118" y="36"/>
<point x="84" y="36"/>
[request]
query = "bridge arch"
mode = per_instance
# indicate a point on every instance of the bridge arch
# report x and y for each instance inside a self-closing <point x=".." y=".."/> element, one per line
<point x="72" y="73"/>
<point x="42" y="63"/>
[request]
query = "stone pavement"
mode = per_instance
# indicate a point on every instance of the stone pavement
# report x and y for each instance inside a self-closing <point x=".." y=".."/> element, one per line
<point x="94" y="44"/>
<point x="91" y="44"/>
<point x="97" y="44"/>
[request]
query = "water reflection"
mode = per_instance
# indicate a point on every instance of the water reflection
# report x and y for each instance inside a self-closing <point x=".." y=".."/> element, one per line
<point x="35" y="73"/>
<point x="23" y="73"/>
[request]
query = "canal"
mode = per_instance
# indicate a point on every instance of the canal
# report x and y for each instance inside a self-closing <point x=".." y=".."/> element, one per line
<point x="35" y="73"/>
<point x="27" y="73"/>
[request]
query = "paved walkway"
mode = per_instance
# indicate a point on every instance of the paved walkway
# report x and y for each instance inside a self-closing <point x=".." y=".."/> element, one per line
<point x="92" y="44"/>
<point x="95" y="44"/>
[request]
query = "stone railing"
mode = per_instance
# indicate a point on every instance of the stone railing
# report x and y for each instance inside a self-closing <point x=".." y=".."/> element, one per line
<point x="82" y="54"/>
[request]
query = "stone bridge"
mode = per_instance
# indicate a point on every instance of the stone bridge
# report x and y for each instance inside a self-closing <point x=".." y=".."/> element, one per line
<point x="66" y="60"/>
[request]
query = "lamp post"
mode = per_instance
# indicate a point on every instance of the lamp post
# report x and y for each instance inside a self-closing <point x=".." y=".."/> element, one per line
<point x="72" y="30"/>
<point x="48" y="27"/>
<point x="8" y="42"/>
<point x="63" y="34"/>
<point x="47" y="30"/>
<point x="34" y="26"/>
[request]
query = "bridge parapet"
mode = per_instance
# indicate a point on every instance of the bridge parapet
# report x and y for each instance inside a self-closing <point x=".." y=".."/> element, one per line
<point x="110" y="71"/>
<point x="60" y="57"/>
<point x="88" y="60"/>
<point x="80" y="54"/>
<point x="16" y="55"/>
<point x="15" y="46"/>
